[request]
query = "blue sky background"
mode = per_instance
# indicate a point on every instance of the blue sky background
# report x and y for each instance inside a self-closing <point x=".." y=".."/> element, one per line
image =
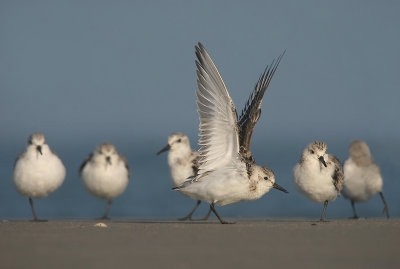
<point x="84" y="72"/>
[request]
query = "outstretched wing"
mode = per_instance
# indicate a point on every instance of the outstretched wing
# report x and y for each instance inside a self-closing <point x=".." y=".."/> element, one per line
<point x="219" y="138"/>
<point x="252" y="110"/>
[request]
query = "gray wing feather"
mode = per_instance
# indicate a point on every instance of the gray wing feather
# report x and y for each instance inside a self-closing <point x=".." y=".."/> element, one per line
<point x="252" y="110"/>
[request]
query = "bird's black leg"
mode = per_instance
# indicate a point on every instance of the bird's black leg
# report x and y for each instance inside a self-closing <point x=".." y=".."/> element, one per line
<point x="354" y="210"/>
<point x="216" y="214"/>
<point x="107" y="209"/>
<point x="208" y="215"/>
<point x="323" y="211"/>
<point x="33" y="210"/>
<point x="189" y="216"/>
<point x="385" y="208"/>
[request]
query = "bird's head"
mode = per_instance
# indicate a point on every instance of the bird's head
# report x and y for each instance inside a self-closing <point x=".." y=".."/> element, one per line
<point x="316" y="151"/>
<point x="37" y="141"/>
<point x="267" y="178"/>
<point x="360" y="153"/>
<point x="177" y="142"/>
<point x="106" y="153"/>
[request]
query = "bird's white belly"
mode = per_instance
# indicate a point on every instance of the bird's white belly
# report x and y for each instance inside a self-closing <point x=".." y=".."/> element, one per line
<point x="220" y="189"/>
<point x="105" y="182"/>
<point x="360" y="183"/>
<point x="316" y="185"/>
<point x="38" y="177"/>
<point x="180" y="174"/>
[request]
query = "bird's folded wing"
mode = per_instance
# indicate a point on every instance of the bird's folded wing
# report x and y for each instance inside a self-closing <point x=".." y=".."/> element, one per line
<point x="218" y="119"/>
<point x="87" y="159"/>
<point x="338" y="176"/>
<point x="126" y="164"/>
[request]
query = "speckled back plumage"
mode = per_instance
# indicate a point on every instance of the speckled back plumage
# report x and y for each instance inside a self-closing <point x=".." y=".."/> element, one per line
<point x="338" y="176"/>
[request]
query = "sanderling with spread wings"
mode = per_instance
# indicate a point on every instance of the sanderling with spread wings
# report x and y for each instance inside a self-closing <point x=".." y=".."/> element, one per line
<point x="105" y="173"/>
<point x="227" y="172"/>
<point x="38" y="171"/>
<point x="318" y="175"/>
<point x="362" y="177"/>
<point x="183" y="164"/>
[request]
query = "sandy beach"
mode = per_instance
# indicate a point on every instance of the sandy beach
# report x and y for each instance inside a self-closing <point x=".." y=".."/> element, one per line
<point x="364" y="243"/>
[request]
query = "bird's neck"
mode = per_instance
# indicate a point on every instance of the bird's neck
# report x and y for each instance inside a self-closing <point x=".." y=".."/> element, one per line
<point x="311" y="163"/>
<point x="181" y="154"/>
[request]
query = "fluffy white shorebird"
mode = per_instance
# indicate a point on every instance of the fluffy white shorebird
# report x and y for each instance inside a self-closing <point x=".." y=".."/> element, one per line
<point x="318" y="175"/>
<point x="105" y="173"/>
<point x="38" y="171"/>
<point x="183" y="164"/>
<point x="227" y="172"/>
<point x="362" y="177"/>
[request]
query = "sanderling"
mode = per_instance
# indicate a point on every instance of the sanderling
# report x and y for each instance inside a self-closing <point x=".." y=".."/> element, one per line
<point x="362" y="177"/>
<point x="105" y="173"/>
<point x="38" y="171"/>
<point x="227" y="172"/>
<point x="183" y="164"/>
<point x="318" y="175"/>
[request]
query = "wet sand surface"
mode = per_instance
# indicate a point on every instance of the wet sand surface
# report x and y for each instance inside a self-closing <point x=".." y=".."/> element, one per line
<point x="364" y="243"/>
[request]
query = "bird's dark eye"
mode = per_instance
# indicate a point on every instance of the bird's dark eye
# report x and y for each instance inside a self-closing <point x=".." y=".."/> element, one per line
<point x="311" y="151"/>
<point x="179" y="140"/>
<point x="266" y="178"/>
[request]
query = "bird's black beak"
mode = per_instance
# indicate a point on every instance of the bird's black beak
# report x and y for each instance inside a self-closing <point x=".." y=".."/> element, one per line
<point x="276" y="186"/>
<point x="108" y="160"/>
<point x="39" y="148"/>
<point x="322" y="160"/>
<point x="167" y="147"/>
